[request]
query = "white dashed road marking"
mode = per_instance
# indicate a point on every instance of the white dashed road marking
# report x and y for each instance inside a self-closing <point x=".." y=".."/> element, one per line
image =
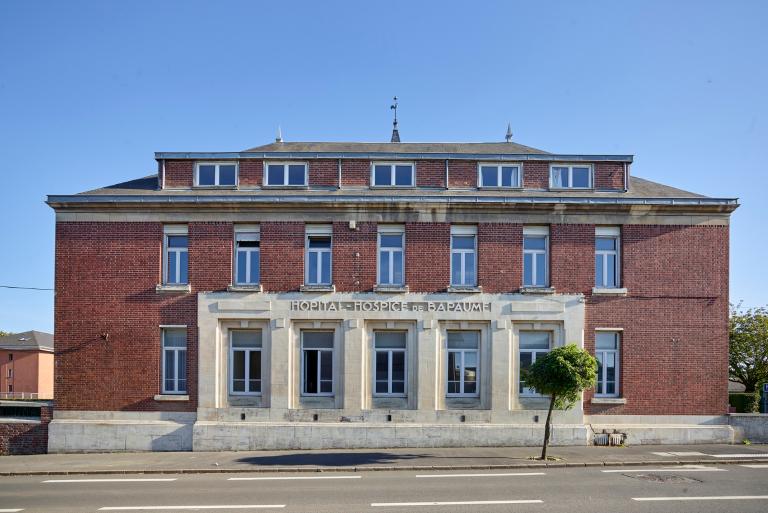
<point x="456" y="503"/>
<point x="484" y="475"/>
<point x="290" y="478"/>
<point x="711" y="498"/>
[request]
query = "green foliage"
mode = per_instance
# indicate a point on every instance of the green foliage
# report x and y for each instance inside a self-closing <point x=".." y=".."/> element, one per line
<point x="563" y="374"/>
<point x="4" y="333"/>
<point x="748" y="346"/>
<point x="745" y="402"/>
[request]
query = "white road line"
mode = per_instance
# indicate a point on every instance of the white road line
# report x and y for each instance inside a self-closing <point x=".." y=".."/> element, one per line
<point x="453" y="503"/>
<point x="747" y="455"/>
<point x="115" y="480"/>
<point x="683" y="468"/>
<point x="683" y="453"/>
<point x="761" y="465"/>
<point x="484" y="475"/>
<point x="10" y="510"/>
<point x="290" y="478"/>
<point x="192" y="508"/>
<point x="711" y="498"/>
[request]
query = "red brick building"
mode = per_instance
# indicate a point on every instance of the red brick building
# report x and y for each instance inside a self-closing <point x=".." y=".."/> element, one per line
<point x="316" y="295"/>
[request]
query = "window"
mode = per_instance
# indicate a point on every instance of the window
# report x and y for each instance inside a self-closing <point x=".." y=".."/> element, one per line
<point x="317" y="362"/>
<point x="607" y="354"/>
<point x="10" y="372"/>
<point x="318" y="256"/>
<point x="216" y="173"/>
<point x="463" y="359"/>
<point x="607" y="257"/>
<point x="535" y="256"/>
<point x="392" y="174"/>
<point x="10" y="357"/>
<point x="463" y="256"/>
<point x="533" y="344"/>
<point x="391" y="262"/>
<point x="389" y="361"/>
<point x="499" y="175"/>
<point x="176" y="255"/>
<point x="245" y="362"/>
<point x="247" y="256"/>
<point x="10" y="388"/>
<point x="292" y="174"/>
<point x="566" y="176"/>
<point x="174" y="360"/>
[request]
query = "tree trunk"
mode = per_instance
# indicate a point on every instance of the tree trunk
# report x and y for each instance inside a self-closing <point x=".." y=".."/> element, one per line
<point x="547" y="428"/>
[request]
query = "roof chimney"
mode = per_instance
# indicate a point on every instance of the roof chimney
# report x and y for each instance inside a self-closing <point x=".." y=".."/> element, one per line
<point x="279" y="137"/>
<point x="395" y="134"/>
<point x="508" y="137"/>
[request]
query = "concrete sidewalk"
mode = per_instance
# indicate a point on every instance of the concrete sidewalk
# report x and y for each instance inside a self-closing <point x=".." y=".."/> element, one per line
<point x="379" y="459"/>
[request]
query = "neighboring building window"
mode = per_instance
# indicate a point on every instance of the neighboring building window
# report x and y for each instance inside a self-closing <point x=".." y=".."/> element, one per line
<point x="463" y="363"/>
<point x="533" y="345"/>
<point x="535" y="256"/>
<point x="607" y="354"/>
<point x="393" y="174"/>
<point x="389" y="361"/>
<point x="566" y="176"/>
<point x="292" y="174"/>
<point x="499" y="175"/>
<point x="10" y="357"/>
<point x="174" y="360"/>
<point x="247" y="256"/>
<point x="10" y="372"/>
<point x="318" y="256"/>
<point x="317" y="362"/>
<point x="216" y="173"/>
<point x="176" y="255"/>
<point x="245" y="362"/>
<point x="607" y="243"/>
<point x="464" y="256"/>
<point x="391" y="251"/>
<point x="10" y="388"/>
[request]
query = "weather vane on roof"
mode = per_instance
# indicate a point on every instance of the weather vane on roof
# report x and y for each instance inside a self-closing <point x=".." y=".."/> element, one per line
<point x="395" y="133"/>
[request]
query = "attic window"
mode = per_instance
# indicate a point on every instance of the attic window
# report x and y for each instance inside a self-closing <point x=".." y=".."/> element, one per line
<point x="213" y="174"/>
<point x="392" y="174"/>
<point x="570" y="176"/>
<point x="285" y="174"/>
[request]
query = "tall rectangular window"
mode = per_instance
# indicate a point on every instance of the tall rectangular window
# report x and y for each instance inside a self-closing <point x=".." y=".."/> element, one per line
<point x="463" y="350"/>
<point x="499" y="175"/>
<point x="570" y="176"/>
<point x="245" y="362"/>
<point x="464" y="256"/>
<point x="318" y="257"/>
<point x="247" y="256"/>
<point x="317" y="363"/>
<point x="176" y="255"/>
<point x="215" y="174"/>
<point x="390" y="363"/>
<point x="391" y="255"/>
<point x="535" y="256"/>
<point x="174" y="360"/>
<point x="285" y="174"/>
<point x="533" y="345"/>
<point x="392" y="174"/>
<point x="607" y="354"/>
<point x="607" y="243"/>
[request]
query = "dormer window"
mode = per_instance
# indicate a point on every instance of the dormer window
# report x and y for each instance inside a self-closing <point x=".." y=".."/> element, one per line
<point x="285" y="174"/>
<point x="392" y="174"/>
<point x="499" y="175"/>
<point x="570" y="176"/>
<point x="216" y="174"/>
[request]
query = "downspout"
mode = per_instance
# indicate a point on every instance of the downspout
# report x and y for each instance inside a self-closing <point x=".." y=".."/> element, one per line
<point x="339" y="186"/>
<point x="161" y="172"/>
<point x="626" y="177"/>
<point x="446" y="173"/>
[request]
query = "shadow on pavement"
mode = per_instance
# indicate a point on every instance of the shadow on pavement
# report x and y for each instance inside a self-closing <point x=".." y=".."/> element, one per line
<point x="334" y="459"/>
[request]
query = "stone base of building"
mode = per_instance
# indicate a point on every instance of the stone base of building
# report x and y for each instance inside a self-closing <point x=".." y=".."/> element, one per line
<point x="666" y="429"/>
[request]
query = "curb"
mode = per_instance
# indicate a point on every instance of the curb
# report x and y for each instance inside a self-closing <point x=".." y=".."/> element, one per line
<point x="384" y="468"/>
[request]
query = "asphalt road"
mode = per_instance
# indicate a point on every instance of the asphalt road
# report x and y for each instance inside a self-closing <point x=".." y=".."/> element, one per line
<point x="710" y="488"/>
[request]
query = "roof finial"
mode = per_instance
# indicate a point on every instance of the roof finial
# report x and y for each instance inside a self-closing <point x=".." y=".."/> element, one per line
<point x="508" y="137"/>
<point x="395" y="133"/>
<point x="279" y="137"/>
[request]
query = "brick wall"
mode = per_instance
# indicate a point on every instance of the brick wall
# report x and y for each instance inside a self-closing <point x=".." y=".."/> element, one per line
<point x="572" y="258"/>
<point x="609" y="175"/>
<point x="324" y="172"/>
<point x="25" y="437"/>
<point x="354" y="257"/>
<point x="251" y="172"/>
<point x="178" y="173"/>
<point x="462" y="174"/>
<point x="536" y="175"/>
<point x="430" y="173"/>
<point x="355" y="172"/>
<point x="500" y="256"/>
<point x="282" y="256"/>
<point x="210" y="255"/>
<point x="427" y="256"/>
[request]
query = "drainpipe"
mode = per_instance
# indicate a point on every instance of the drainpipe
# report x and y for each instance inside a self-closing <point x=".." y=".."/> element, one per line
<point x="626" y="177"/>
<point x="446" y="173"/>
<point x="161" y="172"/>
<point x="339" y="187"/>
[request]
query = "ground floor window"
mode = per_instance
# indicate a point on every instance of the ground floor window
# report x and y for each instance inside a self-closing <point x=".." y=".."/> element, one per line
<point x="533" y="345"/>
<point x="390" y="363"/>
<point x="317" y="363"/>
<point x="174" y="360"/>
<point x="607" y="354"/>
<point x="245" y="362"/>
<point x="463" y="363"/>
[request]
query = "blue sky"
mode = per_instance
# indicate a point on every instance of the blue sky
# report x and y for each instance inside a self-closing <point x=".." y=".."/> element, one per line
<point x="89" y="90"/>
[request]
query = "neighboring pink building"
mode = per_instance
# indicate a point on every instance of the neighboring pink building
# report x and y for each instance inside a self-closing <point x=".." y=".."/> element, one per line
<point x="26" y="366"/>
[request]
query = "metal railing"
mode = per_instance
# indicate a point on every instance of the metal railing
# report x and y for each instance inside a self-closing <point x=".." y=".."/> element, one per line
<point x="19" y="395"/>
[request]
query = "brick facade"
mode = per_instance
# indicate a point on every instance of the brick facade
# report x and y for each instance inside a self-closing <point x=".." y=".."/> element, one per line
<point x="427" y="256"/>
<point x="324" y="172"/>
<point x="178" y="173"/>
<point x="26" y="437"/>
<point x="536" y="175"/>
<point x="609" y="175"/>
<point x="462" y="174"/>
<point x="282" y="256"/>
<point x="430" y="173"/>
<point x="500" y="257"/>
<point x="251" y="172"/>
<point x="354" y="257"/>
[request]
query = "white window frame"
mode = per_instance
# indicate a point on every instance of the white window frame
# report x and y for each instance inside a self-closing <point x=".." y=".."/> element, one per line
<point x="390" y="351"/>
<point x="464" y="231"/>
<point x="247" y="351"/>
<point x="332" y="350"/>
<point x="216" y="173"/>
<point x="171" y="231"/>
<point x="318" y="231"/>
<point x="392" y="173"/>
<point x="463" y="351"/>
<point x="570" y="167"/>
<point x="498" y="166"/>
<point x="285" y="165"/>
<point x="537" y="231"/>
<point x="616" y="355"/>
<point x="609" y="232"/>
<point x="389" y="230"/>
<point x="535" y="353"/>
<point x="175" y="351"/>
<point x="247" y="233"/>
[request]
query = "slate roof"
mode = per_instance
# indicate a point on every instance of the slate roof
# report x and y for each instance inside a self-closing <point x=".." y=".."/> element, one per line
<point x="28" y="341"/>
<point x="500" y="148"/>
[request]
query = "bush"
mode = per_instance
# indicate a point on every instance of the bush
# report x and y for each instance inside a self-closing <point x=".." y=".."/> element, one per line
<point x="745" y="402"/>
